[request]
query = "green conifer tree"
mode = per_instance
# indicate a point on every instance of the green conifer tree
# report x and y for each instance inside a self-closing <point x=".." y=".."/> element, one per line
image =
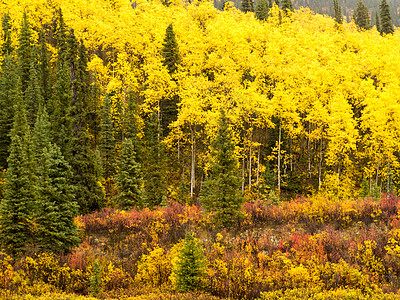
<point x="45" y="76"/>
<point x="131" y="125"/>
<point x="24" y="51"/>
<point x="287" y="5"/>
<point x="59" y="109"/>
<point x="247" y="6"/>
<point x="8" y="92"/>
<point x="262" y="10"/>
<point x="154" y="173"/>
<point x="56" y="207"/>
<point x="16" y="226"/>
<point x="361" y="16"/>
<point x="171" y="59"/>
<point x="377" y="22"/>
<point x="33" y="94"/>
<point x="337" y="13"/>
<point x="81" y="156"/>
<point x="61" y="38"/>
<point x="221" y="192"/>
<point x="129" y="178"/>
<point x="190" y="269"/>
<point x="7" y="48"/>
<point x="386" y="19"/>
<point x="41" y="137"/>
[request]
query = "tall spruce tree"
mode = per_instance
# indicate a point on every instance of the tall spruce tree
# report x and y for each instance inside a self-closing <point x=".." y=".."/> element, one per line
<point x="221" y="192"/>
<point x="171" y="59"/>
<point x="377" y="22"/>
<point x="107" y="144"/>
<point x="287" y="5"/>
<point x="386" y="19"/>
<point x="262" y="9"/>
<point x="361" y="16"/>
<point x="190" y="270"/>
<point x="41" y="137"/>
<point x="81" y="156"/>
<point x="337" y="13"/>
<point x="154" y="173"/>
<point x="8" y="93"/>
<point x="247" y="6"/>
<point x="56" y="207"/>
<point x="16" y="209"/>
<point x="129" y="178"/>
<point x="45" y="76"/>
<point x="24" y="51"/>
<point x="33" y="94"/>
<point x="6" y="48"/>
<point x="131" y="124"/>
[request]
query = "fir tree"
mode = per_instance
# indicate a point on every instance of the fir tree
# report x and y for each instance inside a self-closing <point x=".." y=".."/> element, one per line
<point x="16" y="227"/>
<point x="247" y="6"/>
<point x="41" y="134"/>
<point x="377" y="22"/>
<point x="262" y="10"/>
<point x="129" y="178"/>
<point x="131" y="125"/>
<point x="361" y="16"/>
<point x="7" y="48"/>
<point x="59" y="110"/>
<point x="221" y="193"/>
<point x="107" y="140"/>
<point x="190" y="266"/>
<point x="33" y="94"/>
<point x="8" y="93"/>
<point x="170" y="50"/>
<point x="154" y="175"/>
<point x="45" y="76"/>
<point x="24" y="52"/>
<point x="56" y="230"/>
<point x="337" y="13"/>
<point x="287" y="5"/>
<point x="61" y="38"/>
<point x="171" y="59"/>
<point x="81" y="156"/>
<point x="386" y="19"/>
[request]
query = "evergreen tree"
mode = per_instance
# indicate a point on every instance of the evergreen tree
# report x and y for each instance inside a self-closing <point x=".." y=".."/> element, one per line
<point x="81" y="156"/>
<point x="7" y="48"/>
<point x="129" y="178"/>
<point x="8" y="93"/>
<point x="61" y="38"/>
<point x="41" y="134"/>
<point x="107" y="140"/>
<point x="262" y="10"/>
<point x="171" y="59"/>
<point x="221" y="192"/>
<point x="386" y="19"/>
<point x="154" y="174"/>
<point x="45" y="77"/>
<point x="33" y="94"/>
<point x="337" y="13"/>
<point x="287" y="5"/>
<point x="131" y="125"/>
<point x="247" y="6"/>
<point x="16" y="227"/>
<point x="377" y="22"/>
<point x="361" y="16"/>
<point x="170" y="50"/>
<point x="59" y="110"/>
<point x="190" y="266"/>
<point x="56" y="230"/>
<point x="25" y="41"/>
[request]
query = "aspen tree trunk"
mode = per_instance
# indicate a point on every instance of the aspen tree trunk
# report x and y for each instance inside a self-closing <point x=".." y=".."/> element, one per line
<point x="320" y="164"/>
<point x="258" y="164"/>
<point x="309" y="152"/>
<point x="377" y="172"/>
<point x="193" y="167"/>
<point x="279" y="156"/>
<point x="243" y="172"/>
<point x="250" y="153"/>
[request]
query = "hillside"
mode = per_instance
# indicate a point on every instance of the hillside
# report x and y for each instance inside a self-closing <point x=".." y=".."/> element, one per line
<point x="142" y="141"/>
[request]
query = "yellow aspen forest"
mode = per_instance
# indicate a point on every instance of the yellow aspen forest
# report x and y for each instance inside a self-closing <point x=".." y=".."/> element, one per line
<point x="167" y="149"/>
